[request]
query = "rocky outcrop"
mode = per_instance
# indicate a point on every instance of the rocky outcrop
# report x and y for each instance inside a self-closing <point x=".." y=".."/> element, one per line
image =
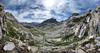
<point x="2" y="21"/>
<point x="49" y="22"/>
<point x="14" y="38"/>
<point x="79" y="34"/>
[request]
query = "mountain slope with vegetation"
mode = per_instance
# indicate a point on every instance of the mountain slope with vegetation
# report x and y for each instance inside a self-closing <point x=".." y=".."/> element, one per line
<point x="78" y="34"/>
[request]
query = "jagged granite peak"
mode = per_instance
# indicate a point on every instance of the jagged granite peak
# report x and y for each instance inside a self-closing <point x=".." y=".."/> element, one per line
<point x="51" y="22"/>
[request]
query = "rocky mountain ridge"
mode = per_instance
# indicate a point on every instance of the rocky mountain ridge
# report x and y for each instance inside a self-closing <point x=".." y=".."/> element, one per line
<point x="13" y="36"/>
<point x="48" y="22"/>
<point x="29" y="25"/>
<point x="79" y="34"/>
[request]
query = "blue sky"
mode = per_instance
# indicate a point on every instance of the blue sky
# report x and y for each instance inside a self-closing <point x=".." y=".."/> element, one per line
<point x="40" y="10"/>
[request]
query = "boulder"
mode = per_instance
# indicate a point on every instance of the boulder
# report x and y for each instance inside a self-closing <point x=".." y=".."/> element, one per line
<point x="34" y="49"/>
<point x="9" y="46"/>
<point x="80" y="51"/>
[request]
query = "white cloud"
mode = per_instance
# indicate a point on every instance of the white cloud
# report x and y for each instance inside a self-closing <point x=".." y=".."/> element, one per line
<point x="49" y="3"/>
<point x="23" y="14"/>
<point x="15" y="13"/>
<point x="34" y="15"/>
<point x="30" y="20"/>
<point x="42" y="14"/>
<point x="61" y="7"/>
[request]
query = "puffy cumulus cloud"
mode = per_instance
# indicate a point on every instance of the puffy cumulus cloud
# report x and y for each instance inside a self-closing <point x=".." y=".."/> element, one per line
<point x="33" y="15"/>
<point x="40" y="10"/>
<point x="29" y="20"/>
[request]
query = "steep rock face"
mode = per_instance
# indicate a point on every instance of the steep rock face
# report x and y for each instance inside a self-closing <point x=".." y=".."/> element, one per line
<point x="2" y="21"/>
<point x="88" y="21"/>
<point x="84" y="28"/>
<point x="48" y="22"/>
<point x="17" y="36"/>
<point x="81" y="34"/>
<point x="51" y="20"/>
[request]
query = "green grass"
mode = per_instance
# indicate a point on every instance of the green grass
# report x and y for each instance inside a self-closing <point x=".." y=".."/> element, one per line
<point x="66" y="40"/>
<point x="11" y="32"/>
<point x="37" y="32"/>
